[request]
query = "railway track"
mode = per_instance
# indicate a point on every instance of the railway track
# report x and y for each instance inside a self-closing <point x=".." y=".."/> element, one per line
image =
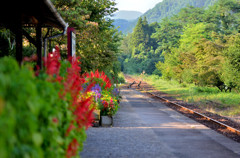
<point x="214" y="124"/>
<point x="233" y="130"/>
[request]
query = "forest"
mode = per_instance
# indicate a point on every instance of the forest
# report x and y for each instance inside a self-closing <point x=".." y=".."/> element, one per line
<point x="168" y="8"/>
<point x="197" y="45"/>
<point x="165" y="8"/>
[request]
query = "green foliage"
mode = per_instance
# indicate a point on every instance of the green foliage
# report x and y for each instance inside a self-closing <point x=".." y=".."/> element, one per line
<point x="170" y="8"/>
<point x="121" y="78"/>
<point x="197" y="45"/>
<point x="231" y="67"/>
<point x="106" y="95"/>
<point x="168" y="67"/>
<point x="109" y="104"/>
<point x="138" y="49"/>
<point x="225" y="16"/>
<point x="167" y="35"/>
<point x="6" y="43"/>
<point x="204" y="97"/>
<point x="97" y="40"/>
<point x="197" y="55"/>
<point x="190" y="15"/>
<point x="28" y="107"/>
<point x="138" y="35"/>
<point x="207" y="90"/>
<point x="42" y="116"/>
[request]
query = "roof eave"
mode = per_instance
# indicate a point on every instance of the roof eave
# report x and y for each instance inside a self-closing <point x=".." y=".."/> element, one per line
<point x="64" y="25"/>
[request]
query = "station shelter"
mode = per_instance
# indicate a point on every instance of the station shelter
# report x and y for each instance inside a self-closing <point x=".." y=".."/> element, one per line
<point x="17" y="15"/>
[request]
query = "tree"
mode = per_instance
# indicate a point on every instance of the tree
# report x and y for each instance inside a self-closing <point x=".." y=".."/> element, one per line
<point x="138" y="35"/>
<point x="167" y="35"/>
<point x="197" y="59"/>
<point x="97" y="39"/>
<point x="195" y="46"/>
<point x="231" y="64"/>
<point x="189" y="15"/>
<point x="169" y="67"/>
<point x="209" y="57"/>
<point x="224" y="15"/>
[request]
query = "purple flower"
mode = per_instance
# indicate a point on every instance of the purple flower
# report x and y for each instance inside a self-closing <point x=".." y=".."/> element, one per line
<point x="97" y="90"/>
<point x="115" y="92"/>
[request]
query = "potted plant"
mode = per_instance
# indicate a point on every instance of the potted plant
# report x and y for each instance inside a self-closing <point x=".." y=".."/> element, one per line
<point x="108" y="106"/>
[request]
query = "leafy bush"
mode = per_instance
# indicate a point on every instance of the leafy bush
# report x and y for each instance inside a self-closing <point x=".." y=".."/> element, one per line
<point x="205" y="90"/>
<point x="121" y="78"/>
<point x="44" y="116"/>
<point x="31" y="114"/>
<point x="79" y="104"/>
<point x="45" y="113"/>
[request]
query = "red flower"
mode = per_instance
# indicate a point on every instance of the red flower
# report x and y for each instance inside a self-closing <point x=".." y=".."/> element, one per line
<point x="72" y="148"/>
<point x="52" y="62"/>
<point x="70" y="128"/>
<point x="55" y="120"/>
<point x="105" y="104"/>
<point x="79" y="104"/>
<point x="84" y="116"/>
<point x="37" y="70"/>
<point x="102" y="76"/>
<point x="97" y="74"/>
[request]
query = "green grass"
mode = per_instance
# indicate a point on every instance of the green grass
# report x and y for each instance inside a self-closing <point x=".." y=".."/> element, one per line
<point x="121" y="78"/>
<point x="223" y="103"/>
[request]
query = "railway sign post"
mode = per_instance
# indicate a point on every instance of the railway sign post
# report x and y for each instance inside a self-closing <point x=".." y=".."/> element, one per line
<point x="71" y="34"/>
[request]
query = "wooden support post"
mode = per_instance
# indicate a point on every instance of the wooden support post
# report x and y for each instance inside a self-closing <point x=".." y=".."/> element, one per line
<point x="19" y="47"/>
<point x="139" y="84"/>
<point x="39" y="45"/>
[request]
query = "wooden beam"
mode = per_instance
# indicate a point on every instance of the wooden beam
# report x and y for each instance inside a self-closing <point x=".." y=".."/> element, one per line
<point x="31" y="40"/>
<point x="39" y="45"/>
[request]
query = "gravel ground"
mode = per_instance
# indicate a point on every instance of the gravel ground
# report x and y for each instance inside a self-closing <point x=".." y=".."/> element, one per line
<point x="143" y="127"/>
<point x="127" y="138"/>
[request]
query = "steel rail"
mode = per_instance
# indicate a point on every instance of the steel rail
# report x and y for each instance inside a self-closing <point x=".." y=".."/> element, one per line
<point x="233" y="130"/>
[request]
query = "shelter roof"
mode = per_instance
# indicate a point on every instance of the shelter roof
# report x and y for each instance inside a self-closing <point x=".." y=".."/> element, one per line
<point x="31" y="13"/>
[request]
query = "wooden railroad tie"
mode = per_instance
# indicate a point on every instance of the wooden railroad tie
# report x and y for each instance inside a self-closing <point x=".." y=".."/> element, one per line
<point x="130" y="85"/>
<point x="139" y="84"/>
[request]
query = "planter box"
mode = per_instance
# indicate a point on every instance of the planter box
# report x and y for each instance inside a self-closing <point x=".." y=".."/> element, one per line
<point x="106" y="121"/>
<point x="96" y="114"/>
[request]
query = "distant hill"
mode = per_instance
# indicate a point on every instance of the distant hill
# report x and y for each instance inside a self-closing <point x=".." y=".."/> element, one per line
<point x="127" y="15"/>
<point x="168" y="8"/>
<point x="122" y="24"/>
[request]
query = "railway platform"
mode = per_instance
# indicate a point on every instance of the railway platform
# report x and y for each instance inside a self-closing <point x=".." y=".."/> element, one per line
<point x="145" y="128"/>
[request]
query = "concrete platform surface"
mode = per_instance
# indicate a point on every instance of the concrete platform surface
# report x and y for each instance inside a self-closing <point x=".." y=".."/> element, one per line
<point x="144" y="128"/>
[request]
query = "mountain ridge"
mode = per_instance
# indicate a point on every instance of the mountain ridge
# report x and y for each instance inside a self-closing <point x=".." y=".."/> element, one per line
<point x="127" y="15"/>
<point x="166" y="8"/>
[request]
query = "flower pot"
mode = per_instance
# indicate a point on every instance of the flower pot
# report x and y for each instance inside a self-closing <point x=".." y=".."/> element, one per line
<point x="106" y="121"/>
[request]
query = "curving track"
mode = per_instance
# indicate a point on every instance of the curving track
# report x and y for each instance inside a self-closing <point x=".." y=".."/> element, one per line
<point x="212" y="123"/>
<point x="224" y="126"/>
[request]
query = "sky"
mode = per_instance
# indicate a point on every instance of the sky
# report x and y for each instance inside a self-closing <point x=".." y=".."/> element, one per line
<point x="136" y="5"/>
